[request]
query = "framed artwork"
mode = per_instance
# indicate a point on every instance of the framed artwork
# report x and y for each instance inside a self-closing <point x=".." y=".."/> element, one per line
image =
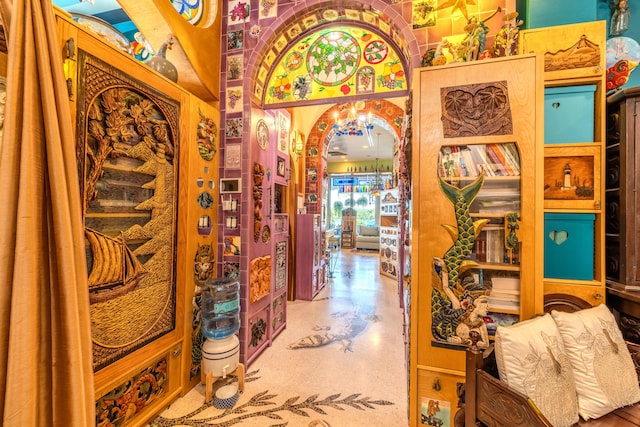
<point x="232" y="156"/>
<point x="312" y="174"/>
<point x="230" y="185"/>
<point x="312" y="197"/>
<point x="571" y="177"/>
<point x="283" y="132"/>
<point x="234" y="99"/>
<point x="233" y="128"/>
<point x="435" y="412"/>
<point x="234" y="67"/>
<point x="235" y="40"/>
<point x="281" y="169"/>
<point x="268" y="9"/>
<point x="232" y="245"/>
<point x="424" y="14"/>
<point x="231" y="270"/>
<point x="262" y="134"/>
<point x="239" y="11"/>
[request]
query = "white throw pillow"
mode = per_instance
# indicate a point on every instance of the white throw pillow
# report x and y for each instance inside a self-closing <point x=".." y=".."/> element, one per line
<point x="604" y="372"/>
<point x="532" y="360"/>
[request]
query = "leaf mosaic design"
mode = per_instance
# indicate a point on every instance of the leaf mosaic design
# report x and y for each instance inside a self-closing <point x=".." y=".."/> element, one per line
<point x="263" y="404"/>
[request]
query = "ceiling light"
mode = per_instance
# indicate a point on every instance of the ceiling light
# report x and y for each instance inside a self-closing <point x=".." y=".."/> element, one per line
<point x="353" y="124"/>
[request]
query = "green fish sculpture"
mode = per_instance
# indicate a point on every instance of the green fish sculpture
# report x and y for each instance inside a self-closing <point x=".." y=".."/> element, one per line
<point x="466" y="230"/>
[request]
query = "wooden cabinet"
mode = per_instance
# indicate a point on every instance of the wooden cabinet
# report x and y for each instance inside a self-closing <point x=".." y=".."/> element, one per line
<point x="574" y="153"/>
<point x="389" y="234"/>
<point x="477" y="164"/>
<point x="348" y="228"/>
<point x="622" y="207"/>
<point x="310" y="265"/>
<point x="622" y="199"/>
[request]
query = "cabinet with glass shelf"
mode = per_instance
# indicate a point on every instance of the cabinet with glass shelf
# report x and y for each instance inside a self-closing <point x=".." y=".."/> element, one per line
<point x="477" y="214"/>
<point x="389" y="238"/>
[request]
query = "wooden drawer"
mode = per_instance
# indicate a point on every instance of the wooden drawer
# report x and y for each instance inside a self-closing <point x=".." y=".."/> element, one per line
<point x="437" y="396"/>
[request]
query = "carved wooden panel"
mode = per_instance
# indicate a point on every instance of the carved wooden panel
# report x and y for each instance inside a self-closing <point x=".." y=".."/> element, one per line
<point x="474" y="110"/>
<point x="127" y="148"/>
<point x="569" y="50"/>
<point x="581" y="54"/>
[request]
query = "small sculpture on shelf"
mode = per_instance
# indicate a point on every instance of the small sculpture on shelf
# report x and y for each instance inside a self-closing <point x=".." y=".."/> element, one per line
<point x="618" y="74"/>
<point x="506" y="41"/>
<point x="476" y="38"/>
<point x="160" y="63"/>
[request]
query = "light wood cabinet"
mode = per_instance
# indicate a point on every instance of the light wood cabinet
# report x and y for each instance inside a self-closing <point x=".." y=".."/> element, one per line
<point x="574" y="159"/>
<point x="479" y="119"/>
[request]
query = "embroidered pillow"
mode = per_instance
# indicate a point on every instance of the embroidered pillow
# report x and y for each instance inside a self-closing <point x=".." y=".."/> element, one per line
<point x="604" y="372"/>
<point x="532" y="360"/>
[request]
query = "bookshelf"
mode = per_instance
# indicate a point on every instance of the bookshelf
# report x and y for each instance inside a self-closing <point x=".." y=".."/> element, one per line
<point x="389" y="233"/>
<point x="477" y="213"/>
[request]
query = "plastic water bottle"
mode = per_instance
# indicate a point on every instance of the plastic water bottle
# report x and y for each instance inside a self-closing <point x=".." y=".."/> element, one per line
<point x="220" y="308"/>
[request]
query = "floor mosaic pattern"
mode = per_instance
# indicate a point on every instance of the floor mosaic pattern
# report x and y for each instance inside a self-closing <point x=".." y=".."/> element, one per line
<point x="339" y="362"/>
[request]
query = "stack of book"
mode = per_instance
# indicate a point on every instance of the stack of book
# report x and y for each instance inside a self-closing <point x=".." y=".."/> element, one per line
<point x="505" y="293"/>
<point x="489" y="245"/>
<point x="472" y="160"/>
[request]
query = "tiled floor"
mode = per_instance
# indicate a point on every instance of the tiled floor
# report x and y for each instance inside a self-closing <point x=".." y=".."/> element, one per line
<point x="339" y="362"/>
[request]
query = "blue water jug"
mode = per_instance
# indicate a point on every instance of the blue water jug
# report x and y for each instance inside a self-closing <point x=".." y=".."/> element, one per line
<point x="220" y="308"/>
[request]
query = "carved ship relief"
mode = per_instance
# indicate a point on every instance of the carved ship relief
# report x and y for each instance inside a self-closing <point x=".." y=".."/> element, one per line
<point x="583" y="54"/>
<point x="115" y="269"/>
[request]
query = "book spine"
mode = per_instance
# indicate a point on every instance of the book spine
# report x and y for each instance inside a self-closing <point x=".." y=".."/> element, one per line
<point x="495" y="161"/>
<point x="509" y="150"/>
<point x="495" y="148"/>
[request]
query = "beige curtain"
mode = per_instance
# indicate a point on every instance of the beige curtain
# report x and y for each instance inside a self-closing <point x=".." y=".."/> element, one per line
<point x="46" y="376"/>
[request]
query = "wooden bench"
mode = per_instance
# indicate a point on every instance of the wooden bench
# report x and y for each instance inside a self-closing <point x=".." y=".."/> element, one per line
<point x="485" y="400"/>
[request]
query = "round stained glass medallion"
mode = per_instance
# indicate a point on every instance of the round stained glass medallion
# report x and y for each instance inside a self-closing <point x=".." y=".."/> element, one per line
<point x="294" y="60"/>
<point x="333" y="58"/>
<point x="375" y="51"/>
